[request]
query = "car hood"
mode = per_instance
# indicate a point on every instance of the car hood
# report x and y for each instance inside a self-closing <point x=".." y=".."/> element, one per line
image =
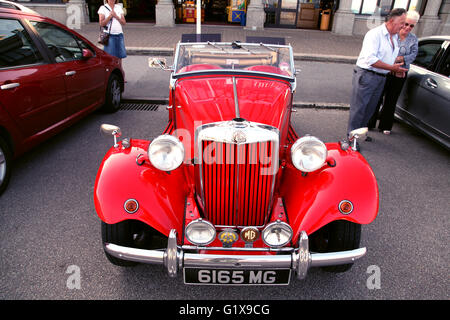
<point x="202" y="100"/>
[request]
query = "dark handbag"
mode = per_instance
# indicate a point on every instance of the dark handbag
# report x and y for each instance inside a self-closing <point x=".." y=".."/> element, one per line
<point x="103" y="38"/>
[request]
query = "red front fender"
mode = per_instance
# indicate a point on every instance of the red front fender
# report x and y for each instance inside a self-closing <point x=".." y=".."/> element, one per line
<point x="161" y="195"/>
<point x="312" y="201"/>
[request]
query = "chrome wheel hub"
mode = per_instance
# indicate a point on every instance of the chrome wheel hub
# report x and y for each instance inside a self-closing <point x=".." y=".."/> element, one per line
<point x="2" y="166"/>
<point x="115" y="93"/>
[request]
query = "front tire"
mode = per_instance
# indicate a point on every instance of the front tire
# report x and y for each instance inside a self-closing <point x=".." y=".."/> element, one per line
<point x="5" y="164"/>
<point x="338" y="235"/>
<point x="113" y="94"/>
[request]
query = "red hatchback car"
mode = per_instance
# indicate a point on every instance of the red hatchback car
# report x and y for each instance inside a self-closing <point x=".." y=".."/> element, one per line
<point x="50" y="77"/>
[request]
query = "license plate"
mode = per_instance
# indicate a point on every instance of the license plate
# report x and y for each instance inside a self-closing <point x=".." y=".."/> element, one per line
<point x="236" y="277"/>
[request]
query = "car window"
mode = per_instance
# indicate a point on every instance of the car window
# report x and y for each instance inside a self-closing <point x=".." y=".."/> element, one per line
<point x="16" y="46"/>
<point x="427" y="54"/>
<point x="62" y="45"/>
<point x="240" y="57"/>
<point x="8" y="6"/>
<point x="444" y="68"/>
<point x="85" y="45"/>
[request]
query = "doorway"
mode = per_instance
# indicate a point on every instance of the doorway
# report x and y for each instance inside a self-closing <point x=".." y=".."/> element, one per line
<point x="281" y="13"/>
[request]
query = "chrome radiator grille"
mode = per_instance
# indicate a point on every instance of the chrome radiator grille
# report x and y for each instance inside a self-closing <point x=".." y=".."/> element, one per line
<point x="237" y="177"/>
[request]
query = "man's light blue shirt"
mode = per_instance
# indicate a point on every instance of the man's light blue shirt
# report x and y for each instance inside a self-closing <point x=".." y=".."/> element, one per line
<point x="378" y="46"/>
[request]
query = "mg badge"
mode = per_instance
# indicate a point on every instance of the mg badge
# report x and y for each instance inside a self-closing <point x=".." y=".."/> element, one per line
<point x="239" y="137"/>
<point x="228" y="237"/>
<point x="249" y="234"/>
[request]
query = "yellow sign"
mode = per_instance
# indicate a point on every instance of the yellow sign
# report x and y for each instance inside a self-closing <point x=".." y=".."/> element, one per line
<point x="228" y="237"/>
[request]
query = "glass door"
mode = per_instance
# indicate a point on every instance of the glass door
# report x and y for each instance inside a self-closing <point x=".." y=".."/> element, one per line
<point x="288" y="13"/>
<point x="281" y="13"/>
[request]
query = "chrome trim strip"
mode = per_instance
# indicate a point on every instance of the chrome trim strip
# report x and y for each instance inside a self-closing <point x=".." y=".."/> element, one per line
<point x="236" y="101"/>
<point x="237" y="261"/>
<point x="336" y="258"/>
<point x="265" y="249"/>
<point x="137" y="255"/>
<point x="174" y="258"/>
<point x="235" y="72"/>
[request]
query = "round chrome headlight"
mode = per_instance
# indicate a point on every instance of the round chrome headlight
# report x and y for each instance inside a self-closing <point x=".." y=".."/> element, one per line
<point x="200" y="232"/>
<point x="277" y="234"/>
<point x="166" y="152"/>
<point x="308" y="154"/>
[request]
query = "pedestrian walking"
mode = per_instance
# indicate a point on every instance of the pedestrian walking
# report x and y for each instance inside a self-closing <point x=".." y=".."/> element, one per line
<point x="408" y="49"/>
<point x="112" y="18"/>
<point x="376" y="59"/>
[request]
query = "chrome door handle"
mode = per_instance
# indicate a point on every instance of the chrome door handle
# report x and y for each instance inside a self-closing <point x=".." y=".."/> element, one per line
<point x="70" y="73"/>
<point x="9" y="86"/>
<point x="431" y="83"/>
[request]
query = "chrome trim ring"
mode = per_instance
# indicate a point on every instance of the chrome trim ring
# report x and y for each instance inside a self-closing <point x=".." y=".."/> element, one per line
<point x="346" y="213"/>
<point x="204" y="222"/>
<point x="131" y="211"/>
<point x="272" y="224"/>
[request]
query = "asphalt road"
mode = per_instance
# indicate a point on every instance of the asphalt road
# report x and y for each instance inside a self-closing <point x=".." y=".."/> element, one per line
<point x="49" y="230"/>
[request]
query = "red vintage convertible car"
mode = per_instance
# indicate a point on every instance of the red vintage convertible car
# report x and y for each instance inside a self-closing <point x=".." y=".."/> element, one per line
<point x="229" y="194"/>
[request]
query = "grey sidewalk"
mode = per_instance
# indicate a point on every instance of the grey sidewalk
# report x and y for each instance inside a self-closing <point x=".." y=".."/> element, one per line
<point x="146" y="38"/>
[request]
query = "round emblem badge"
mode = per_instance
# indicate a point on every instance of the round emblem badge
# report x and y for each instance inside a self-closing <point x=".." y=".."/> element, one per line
<point x="249" y="234"/>
<point x="239" y="137"/>
<point x="228" y="237"/>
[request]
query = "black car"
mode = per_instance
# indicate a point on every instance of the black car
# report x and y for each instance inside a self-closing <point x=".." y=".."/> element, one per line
<point x="424" y="102"/>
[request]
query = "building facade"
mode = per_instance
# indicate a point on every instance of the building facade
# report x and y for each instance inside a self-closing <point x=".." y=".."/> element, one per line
<point x="346" y="17"/>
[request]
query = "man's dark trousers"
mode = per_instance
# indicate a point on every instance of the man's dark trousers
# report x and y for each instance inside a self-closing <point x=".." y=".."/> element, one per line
<point x="367" y="89"/>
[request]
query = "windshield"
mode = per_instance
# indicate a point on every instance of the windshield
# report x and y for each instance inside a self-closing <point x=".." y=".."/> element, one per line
<point x="251" y="57"/>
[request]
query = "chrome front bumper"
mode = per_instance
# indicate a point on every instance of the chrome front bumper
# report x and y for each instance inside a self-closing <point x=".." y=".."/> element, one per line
<point x="175" y="259"/>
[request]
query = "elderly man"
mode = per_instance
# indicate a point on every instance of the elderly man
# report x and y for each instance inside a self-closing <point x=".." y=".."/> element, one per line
<point x="375" y="61"/>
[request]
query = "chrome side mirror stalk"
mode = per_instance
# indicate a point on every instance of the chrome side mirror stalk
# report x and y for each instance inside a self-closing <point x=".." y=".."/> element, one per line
<point x="356" y="134"/>
<point x="109" y="129"/>
<point x="352" y="138"/>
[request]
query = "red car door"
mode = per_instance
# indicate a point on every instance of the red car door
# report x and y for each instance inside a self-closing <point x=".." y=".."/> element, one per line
<point x="84" y="78"/>
<point x="31" y="90"/>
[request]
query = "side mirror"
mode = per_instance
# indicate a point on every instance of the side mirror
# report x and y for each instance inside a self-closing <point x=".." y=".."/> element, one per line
<point x="87" y="54"/>
<point x="356" y="134"/>
<point x="158" y="63"/>
<point x="111" y="130"/>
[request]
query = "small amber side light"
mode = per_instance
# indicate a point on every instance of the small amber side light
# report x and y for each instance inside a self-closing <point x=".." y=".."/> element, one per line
<point x="131" y="206"/>
<point x="345" y="207"/>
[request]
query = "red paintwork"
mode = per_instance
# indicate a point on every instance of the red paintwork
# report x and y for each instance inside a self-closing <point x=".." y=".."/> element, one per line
<point x="206" y="99"/>
<point x="268" y="69"/>
<point x="166" y="201"/>
<point x="312" y="201"/>
<point x="161" y="195"/>
<point x="47" y="101"/>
